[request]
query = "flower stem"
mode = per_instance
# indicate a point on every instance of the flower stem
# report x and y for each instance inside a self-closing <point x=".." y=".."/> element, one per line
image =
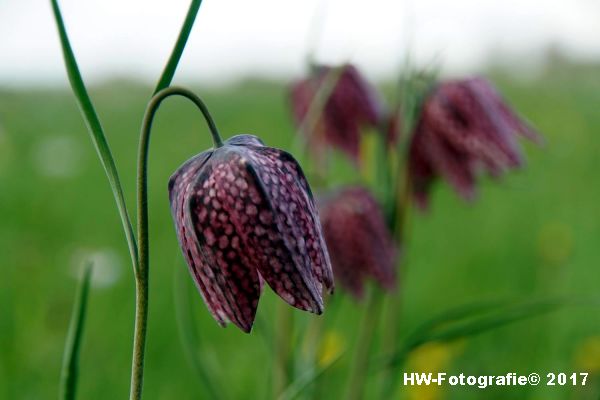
<point x="139" y="337"/>
<point x="313" y="337"/>
<point x="141" y="273"/>
<point x="190" y="340"/>
<point x="394" y="303"/>
<point x="283" y="348"/>
<point x="390" y="341"/>
<point x="360" y="364"/>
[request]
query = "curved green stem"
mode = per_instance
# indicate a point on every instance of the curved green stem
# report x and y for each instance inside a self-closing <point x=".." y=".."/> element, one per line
<point x="141" y="276"/>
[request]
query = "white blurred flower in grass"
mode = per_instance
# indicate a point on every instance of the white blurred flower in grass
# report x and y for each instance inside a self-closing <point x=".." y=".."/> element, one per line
<point x="107" y="266"/>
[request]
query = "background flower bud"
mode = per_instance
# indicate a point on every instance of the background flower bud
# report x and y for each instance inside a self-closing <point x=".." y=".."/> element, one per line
<point x="464" y="127"/>
<point x="352" y="105"/>
<point x="359" y="242"/>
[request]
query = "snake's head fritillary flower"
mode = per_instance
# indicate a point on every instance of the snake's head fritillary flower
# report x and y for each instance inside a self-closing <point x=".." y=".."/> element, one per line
<point x="359" y="242"/>
<point x="465" y="126"/>
<point x="244" y="213"/>
<point x="350" y="105"/>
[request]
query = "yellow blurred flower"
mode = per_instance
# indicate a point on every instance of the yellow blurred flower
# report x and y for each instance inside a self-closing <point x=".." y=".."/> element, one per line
<point x="555" y="243"/>
<point x="332" y="345"/>
<point x="587" y="355"/>
<point x="432" y="358"/>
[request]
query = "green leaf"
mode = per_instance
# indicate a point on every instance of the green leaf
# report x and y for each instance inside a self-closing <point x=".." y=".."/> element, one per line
<point x="96" y="131"/>
<point x="70" y="367"/>
<point x="464" y="321"/>
<point x="489" y="322"/>
<point x="188" y="23"/>
<point x="455" y="314"/>
<point x="470" y="320"/>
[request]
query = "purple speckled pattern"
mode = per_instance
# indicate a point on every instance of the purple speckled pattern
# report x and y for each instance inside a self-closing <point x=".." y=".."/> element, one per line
<point x="465" y="127"/>
<point x="244" y="213"/>
<point x="359" y="242"/>
<point x="352" y="105"/>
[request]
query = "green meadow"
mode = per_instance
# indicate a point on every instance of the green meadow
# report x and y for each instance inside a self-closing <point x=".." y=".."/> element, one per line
<point x="534" y="234"/>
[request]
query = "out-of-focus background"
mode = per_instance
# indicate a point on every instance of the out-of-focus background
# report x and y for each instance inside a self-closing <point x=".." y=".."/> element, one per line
<point x="271" y="38"/>
<point x="533" y="234"/>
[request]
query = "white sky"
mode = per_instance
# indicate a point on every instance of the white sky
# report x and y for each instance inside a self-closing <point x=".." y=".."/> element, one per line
<point x="234" y="38"/>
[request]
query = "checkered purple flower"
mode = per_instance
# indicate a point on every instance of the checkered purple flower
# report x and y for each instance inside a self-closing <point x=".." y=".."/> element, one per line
<point x="359" y="242"/>
<point x="352" y="106"/>
<point x="244" y="214"/>
<point x="465" y="127"/>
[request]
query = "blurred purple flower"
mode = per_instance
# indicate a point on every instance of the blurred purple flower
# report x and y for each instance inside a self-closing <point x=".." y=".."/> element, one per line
<point x="359" y="242"/>
<point x="244" y="213"/>
<point x="352" y="104"/>
<point x="393" y="129"/>
<point x="465" y="126"/>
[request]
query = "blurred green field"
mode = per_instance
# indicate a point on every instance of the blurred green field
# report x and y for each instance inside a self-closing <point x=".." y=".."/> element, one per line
<point x="534" y="234"/>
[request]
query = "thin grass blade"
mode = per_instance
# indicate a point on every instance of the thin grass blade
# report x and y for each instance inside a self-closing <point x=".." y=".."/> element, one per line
<point x="456" y="314"/>
<point x="470" y="320"/>
<point x="189" y="337"/>
<point x="70" y="366"/>
<point x="309" y="377"/>
<point x="184" y="34"/>
<point x="96" y="131"/>
<point x="489" y="322"/>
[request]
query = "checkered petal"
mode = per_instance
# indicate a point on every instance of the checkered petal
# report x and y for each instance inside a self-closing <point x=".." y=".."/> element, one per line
<point x="244" y="213"/>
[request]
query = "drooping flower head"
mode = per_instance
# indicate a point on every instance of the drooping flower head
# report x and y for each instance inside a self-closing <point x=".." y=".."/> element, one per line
<point x="464" y="127"/>
<point x="244" y="213"/>
<point x="350" y="105"/>
<point x="359" y="242"/>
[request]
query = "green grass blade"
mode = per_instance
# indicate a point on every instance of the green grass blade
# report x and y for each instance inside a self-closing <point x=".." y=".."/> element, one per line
<point x="304" y="380"/>
<point x="184" y="34"/>
<point x="489" y="322"/>
<point x="455" y="314"/>
<point x="470" y="320"/>
<point x="465" y="321"/>
<point x="189" y="337"/>
<point x="95" y="129"/>
<point x="70" y="366"/>
<point x="452" y="315"/>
